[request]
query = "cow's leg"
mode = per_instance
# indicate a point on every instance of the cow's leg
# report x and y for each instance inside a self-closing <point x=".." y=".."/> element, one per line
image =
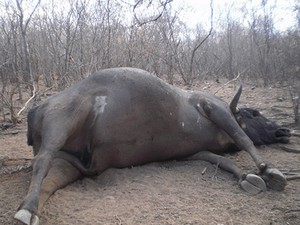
<point x="61" y="173"/>
<point x="51" y="142"/>
<point x="40" y="165"/>
<point x="251" y="183"/>
<point x="224" y="119"/>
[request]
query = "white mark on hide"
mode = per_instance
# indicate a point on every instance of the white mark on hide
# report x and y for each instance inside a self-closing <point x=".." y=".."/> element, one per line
<point x="171" y="114"/>
<point x="100" y="103"/>
<point x="198" y="105"/>
<point x="243" y="126"/>
<point x="198" y="120"/>
<point x="182" y="124"/>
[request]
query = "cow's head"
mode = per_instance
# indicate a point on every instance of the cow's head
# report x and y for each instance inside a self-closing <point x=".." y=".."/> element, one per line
<point x="258" y="128"/>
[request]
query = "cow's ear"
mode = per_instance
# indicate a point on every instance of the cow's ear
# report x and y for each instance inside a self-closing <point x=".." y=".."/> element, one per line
<point x="233" y="105"/>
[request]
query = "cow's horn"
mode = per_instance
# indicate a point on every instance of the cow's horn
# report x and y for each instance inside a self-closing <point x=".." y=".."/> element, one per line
<point x="235" y="100"/>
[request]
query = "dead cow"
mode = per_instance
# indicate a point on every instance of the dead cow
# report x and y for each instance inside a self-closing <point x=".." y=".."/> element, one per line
<point x="124" y="116"/>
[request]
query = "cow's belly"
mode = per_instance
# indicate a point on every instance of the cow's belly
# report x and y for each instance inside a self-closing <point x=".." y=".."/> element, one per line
<point x="135" y="147"/>
<point x="132" y="129"/>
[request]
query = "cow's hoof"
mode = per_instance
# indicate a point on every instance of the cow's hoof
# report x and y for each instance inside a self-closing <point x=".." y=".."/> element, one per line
<point x="274" y="179"/>
<point x="26" y="217"/>
<point x="253" y="184"/>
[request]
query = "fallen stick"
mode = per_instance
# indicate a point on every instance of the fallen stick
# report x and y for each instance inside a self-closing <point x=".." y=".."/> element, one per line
<point x="2" y="160"/>
<point x="296" y="134"/>
<point x="6" y="170"/>
<point x="292" y="210"/>
<point x="9" y="132"/>
<point x="288" y="149"/>
<point x="203" y="171"/>
<point x="289" y="170"/>
<point x="293" y="177"/>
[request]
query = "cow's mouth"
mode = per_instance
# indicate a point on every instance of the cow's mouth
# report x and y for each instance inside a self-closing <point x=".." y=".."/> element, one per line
<point x="282" y="135"/>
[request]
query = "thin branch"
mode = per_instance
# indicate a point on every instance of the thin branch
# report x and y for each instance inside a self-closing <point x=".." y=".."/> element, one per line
<point x="30" y="99"/>
<point x="292" y="210"/>
<point x="293" y="177"/>
<point x="295" y="133"/>
<point x="289" y="149"/>
<point x="204" y="39"/>
<point x="139" y="2"/>
<point x="13" y="132"/>
<point x="29" y="18"/>
<point x="234" y="79"/>
<point x="214" y="176"/>
<point x="5" y="100"/>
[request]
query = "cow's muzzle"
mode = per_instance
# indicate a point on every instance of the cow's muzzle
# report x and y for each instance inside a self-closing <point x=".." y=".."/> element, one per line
<point x="282" y="135"/>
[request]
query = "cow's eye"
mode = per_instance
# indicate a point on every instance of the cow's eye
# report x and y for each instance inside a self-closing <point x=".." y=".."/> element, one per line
<point x="255" y="113"/>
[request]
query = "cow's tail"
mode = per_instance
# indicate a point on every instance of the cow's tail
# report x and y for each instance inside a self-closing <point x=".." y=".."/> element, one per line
<point x="30" y="126"/>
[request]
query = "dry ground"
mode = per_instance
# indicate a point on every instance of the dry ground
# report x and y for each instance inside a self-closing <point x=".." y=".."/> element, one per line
<point x="163" y="193"/>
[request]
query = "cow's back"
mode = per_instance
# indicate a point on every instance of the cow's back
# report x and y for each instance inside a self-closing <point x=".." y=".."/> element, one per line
<point x="133" y="106"/>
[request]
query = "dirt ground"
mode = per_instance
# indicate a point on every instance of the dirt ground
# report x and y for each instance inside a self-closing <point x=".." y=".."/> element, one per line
<point x="168" y="192"/>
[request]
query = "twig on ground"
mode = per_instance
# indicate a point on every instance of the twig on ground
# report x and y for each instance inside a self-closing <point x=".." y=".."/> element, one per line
<point x="293" y="177"/>
<point x="289" y="170"/>
<point x="288" y="149"/>
<point x="214" y="176"/>
<point x="203" y="171"/>
<point x="295" y="133"/>
<point x="286" y="210"/>
<point x="2" y="160"/>
<point x="292" y="210"/>
<point x="119" y="220"/>
<point x="15" y="168"/>
<point x="9" y="132"/>
<point x="291" y="174"/>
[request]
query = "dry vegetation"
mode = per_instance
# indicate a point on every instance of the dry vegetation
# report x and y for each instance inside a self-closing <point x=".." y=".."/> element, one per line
<point x="44" y="43"/>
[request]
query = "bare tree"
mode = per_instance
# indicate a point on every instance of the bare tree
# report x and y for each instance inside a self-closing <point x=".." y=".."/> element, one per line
<point x="189" y="75"/>
<point x="261" y="34"/>
<point x="23" y="23"/>
<point x="290" y="67"/>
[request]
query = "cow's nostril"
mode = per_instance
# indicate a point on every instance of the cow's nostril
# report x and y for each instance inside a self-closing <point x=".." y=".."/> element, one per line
<point x="282" y="135"/>
<point x="283" y="132"/>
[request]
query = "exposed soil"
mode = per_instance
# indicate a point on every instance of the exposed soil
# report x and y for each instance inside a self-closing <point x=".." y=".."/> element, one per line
<point x="163" y="193"/>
